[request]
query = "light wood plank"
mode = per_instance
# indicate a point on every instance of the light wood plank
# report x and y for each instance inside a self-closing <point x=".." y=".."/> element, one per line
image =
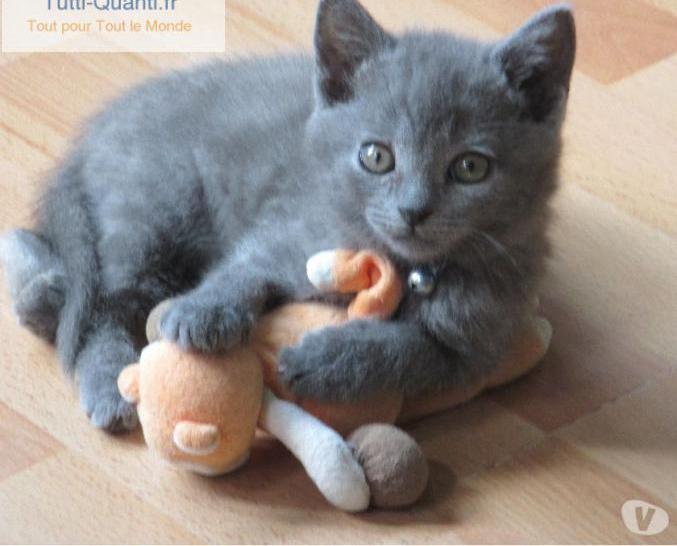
<point x="622" y="149"/>
<point x="22" y="444"/>
<point x="64" y="500"/>
<point x="667" y="5"/>
<point x="550" y="494"/>
<point x="478" y="435"/>
<point x="608" y="295"/>
<point x="636" y="436"/>
<point x="616" y="37"/>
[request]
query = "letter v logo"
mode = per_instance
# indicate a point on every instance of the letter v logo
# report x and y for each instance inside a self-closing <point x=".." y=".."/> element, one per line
<point x="643" y="518"/>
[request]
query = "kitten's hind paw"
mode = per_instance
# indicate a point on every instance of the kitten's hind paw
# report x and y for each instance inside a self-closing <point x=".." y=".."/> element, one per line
<point x="36" y="281"/>
<point x="39" y="303"/>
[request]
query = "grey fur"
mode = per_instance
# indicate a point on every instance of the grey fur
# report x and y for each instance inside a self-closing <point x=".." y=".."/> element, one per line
<point x="219" y="182"/>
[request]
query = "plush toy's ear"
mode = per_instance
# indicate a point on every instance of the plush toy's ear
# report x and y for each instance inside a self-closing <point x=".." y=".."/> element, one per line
<point x="196" y="438"/>
<point x="154" y="319"/>
<point x="128" y="383"/>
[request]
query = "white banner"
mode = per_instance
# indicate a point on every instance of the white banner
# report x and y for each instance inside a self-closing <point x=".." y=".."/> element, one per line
<point x="190" y="26"/>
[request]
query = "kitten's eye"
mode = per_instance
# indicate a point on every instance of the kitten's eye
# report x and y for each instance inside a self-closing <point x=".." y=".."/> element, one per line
<point x="470" y="168"/>
<point x="377" y="158"/>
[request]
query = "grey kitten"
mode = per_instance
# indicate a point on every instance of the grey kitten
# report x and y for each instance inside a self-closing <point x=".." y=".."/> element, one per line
<point x="218" y="183"/>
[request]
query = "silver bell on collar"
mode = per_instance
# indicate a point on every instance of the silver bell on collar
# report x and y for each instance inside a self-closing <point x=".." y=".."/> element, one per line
<point x="421" y="281"/>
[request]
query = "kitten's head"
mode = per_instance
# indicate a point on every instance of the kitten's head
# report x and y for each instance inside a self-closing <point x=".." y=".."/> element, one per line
<point x="428" y="138"/>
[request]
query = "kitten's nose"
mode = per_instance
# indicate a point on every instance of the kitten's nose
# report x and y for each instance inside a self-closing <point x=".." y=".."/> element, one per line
<point x="414" y="216"/>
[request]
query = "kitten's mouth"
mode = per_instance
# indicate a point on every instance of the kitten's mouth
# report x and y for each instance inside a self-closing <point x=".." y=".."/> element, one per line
<point x="414" y="246"/>
<point x="415" y="236"/>
<point x="411" y="244"/>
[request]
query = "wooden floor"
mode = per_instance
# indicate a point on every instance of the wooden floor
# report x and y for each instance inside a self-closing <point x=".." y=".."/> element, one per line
<point x="549" y="459"/>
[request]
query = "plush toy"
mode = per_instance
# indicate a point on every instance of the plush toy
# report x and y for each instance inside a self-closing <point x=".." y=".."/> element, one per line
<point x="201" y="411"/>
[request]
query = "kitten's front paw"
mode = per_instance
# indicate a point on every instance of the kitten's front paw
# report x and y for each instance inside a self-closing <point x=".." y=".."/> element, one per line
<point x="321" y="367"/>
<point x="98" y="366"/>
<point x="193" y="322"/>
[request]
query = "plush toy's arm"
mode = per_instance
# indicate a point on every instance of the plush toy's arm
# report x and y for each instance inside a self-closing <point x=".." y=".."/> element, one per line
<point x="327" y="458"/>
<point x="368" y="274"/>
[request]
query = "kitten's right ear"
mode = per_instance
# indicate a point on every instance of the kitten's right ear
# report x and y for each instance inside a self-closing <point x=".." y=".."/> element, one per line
<point x="538" y="59"/>
<point x="345" y="36"/>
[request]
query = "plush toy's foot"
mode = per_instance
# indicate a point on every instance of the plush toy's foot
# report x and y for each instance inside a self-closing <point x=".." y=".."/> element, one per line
<point x="394" y="465"/>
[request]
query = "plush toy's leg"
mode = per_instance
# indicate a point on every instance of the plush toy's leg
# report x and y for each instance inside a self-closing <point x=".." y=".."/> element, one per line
<point x="523" y="358"/>
<point x="431" y="404"/>
<point x="528" y="350"/>
<point x="327" y="458"/>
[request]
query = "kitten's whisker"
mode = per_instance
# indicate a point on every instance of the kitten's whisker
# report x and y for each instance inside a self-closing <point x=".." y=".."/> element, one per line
<point x="501" y="250"/>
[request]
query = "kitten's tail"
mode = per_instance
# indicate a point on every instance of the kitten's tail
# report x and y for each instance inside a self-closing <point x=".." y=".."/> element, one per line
<point x="67" y="225"/>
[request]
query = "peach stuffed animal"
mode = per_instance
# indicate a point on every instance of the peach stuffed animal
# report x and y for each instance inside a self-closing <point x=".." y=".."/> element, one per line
<point x="201" y="411"/>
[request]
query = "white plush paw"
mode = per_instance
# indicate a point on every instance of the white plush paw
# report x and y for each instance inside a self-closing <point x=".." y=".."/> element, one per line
<point x="320" y="269"/>
<point x="338" y="474"/>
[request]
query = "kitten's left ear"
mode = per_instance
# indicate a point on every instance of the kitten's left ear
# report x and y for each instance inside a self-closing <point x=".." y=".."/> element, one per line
<point x="538" y="59"/>
<point x="345" y="36"/>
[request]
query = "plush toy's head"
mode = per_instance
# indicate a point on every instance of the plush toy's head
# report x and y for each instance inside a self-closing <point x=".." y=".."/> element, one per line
<point x="198" y="413"/>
